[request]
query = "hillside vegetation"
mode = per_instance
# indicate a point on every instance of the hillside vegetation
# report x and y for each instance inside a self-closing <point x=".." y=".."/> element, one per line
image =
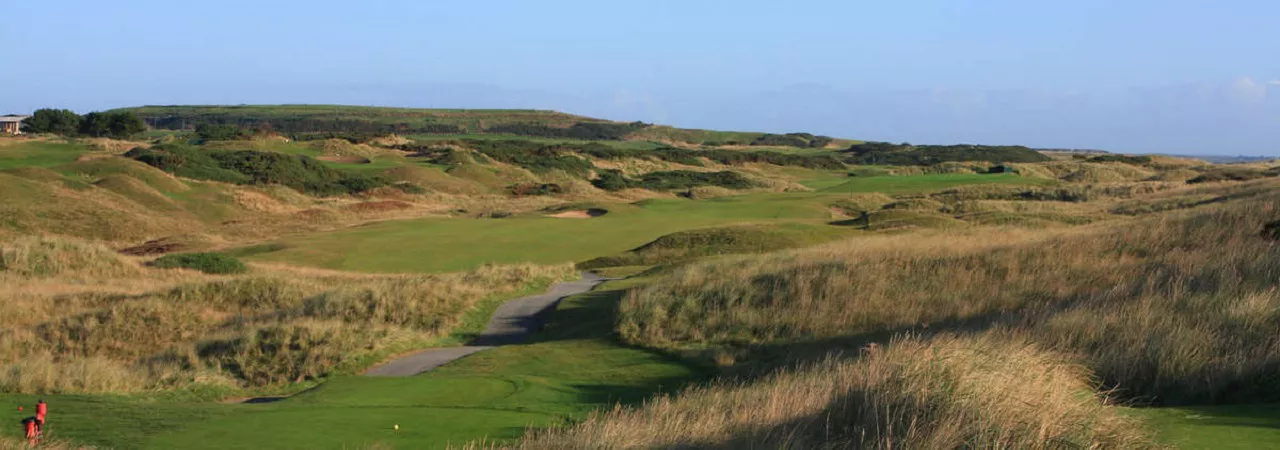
<point x="782" y="292"/>
<point x="897" y="336"/>
<point x="923" y="155"/>
<point x="93" y="321"/>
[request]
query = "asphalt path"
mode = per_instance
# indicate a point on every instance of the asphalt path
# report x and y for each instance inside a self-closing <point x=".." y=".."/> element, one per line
<point x="514" y="322"/>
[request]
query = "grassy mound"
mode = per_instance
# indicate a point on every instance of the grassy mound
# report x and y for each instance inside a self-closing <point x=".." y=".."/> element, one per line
<point x="944" y="393"/>
<point x="211" y="263"/>
<point x="35" y="257"/>
<point x="182" y="331"/>
<point x="686" y="245"/>
<point x="254" y="167"/>
<point x="900" y="219"/>
<point x="1188" y="335"/>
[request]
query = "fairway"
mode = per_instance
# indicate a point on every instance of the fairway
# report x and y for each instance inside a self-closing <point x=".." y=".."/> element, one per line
<point x="446" y="244"/>
<point x="38" y="154"/>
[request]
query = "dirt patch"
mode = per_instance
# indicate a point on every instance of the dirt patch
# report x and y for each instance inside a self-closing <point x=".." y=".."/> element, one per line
<point x="378" y="206"/>
<point x="580" y="213"/>
<point x="349" y="159"/>
<point x="155" y="247"/>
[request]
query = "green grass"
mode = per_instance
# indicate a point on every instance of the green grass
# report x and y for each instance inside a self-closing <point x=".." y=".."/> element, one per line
<point x="919" y="183"/>
<point x="572" y="368"/>
<point x="39" y="154"/>
<point x="446" y="244"/>
<point x="1216" y="427"/>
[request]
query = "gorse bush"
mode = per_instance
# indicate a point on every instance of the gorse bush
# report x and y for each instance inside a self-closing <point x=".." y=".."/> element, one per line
<point x="580" y="130"/>
<point x="539" y="157"/>
<point x="923" y="155"/>
<point x="299" y="172"/>
<point x="612" y="180"/>
<point x="211" y="263"/>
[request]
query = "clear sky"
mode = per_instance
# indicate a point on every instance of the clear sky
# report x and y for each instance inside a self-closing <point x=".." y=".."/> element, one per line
<point x="1127" y="75"/>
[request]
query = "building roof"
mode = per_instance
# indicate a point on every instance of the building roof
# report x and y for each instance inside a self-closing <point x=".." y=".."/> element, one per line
<point x="13" y="118"/>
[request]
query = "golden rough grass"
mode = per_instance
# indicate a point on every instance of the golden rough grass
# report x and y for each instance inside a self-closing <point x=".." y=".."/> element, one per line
<point x="86" y="319"/>
<point x="946" y="392"/>
<point x="1152" y="304"/>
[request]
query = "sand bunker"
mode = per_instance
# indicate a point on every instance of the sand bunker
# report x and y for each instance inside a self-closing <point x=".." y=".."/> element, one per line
<point x="580" y="214"/>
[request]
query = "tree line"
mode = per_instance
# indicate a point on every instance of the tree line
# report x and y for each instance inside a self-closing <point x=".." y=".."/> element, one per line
<point x="118" y="125"/>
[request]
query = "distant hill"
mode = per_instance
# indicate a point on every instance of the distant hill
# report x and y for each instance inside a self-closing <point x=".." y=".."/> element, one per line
<point x="307" y="119"/>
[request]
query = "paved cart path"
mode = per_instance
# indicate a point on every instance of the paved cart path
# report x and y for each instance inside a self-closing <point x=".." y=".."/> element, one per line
<point x="512" y="323"/>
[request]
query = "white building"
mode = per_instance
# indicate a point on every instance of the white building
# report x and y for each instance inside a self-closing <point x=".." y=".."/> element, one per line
<point x="11" y="124"/>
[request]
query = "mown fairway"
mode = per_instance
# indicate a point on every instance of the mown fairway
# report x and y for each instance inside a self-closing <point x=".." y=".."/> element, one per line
<point x="444" y="244"/>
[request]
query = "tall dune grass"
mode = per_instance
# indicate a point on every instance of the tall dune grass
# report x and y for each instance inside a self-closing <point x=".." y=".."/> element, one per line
<point x="89" y="320"/>
<point x="1173" y="308"/>
<point x="946" y="392"/>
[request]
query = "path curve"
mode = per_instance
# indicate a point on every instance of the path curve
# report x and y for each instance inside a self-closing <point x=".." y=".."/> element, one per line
<point x="512" y="323"/>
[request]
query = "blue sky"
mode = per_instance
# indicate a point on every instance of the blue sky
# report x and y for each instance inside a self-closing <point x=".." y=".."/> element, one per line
<point x="1131" y="75"/>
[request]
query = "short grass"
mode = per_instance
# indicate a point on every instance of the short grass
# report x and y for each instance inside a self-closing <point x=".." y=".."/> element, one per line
<point x="1227" y="427"/>
<point x="39" y="154"/>
<point x="574" y="367"/>
<point x="444" y="244"/>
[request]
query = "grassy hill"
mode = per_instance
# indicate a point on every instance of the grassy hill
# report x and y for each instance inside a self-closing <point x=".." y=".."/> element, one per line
<point x="767" y="262"/>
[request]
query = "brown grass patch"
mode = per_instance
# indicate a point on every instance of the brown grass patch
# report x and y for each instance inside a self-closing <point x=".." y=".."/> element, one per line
<point x="348" y="159"/>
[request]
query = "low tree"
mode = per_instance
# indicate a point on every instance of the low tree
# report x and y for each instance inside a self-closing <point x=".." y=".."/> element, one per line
<point x="95" y="124"/>
<point x="124" y="125"/>
<point x="118" y="125"/>
<point x="56" y="121"/>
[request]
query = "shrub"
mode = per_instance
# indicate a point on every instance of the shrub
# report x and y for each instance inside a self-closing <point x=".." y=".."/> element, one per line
<point x="211" y="263"/>
<point x="533" y="189"/>
<point x="1228" y="173"/>
<point x="210" y="132"/>
<point x="911" y="155"/>
<point x="673" y="180"/>
<point x="299" y="172"/>
<point x="119" y="125"/>
<point x="56" y="121"/>
<point x="1127" y="159"/>
<point x="580" y="130"/>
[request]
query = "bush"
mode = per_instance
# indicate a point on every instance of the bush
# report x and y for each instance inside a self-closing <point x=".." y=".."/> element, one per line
<point x="532" y="189"/>
<point x="1221" y="174"/>
<point x="1135" y="160"/>
<point x="673" y="180"/>
<point x="798" y="140"/>
<point x="118" y="125"/>
<point x="923" y="155"/>
<point x="580" y="130"/>
<point x="211" y="263"/>
<point x="211" y="132"/>
<point x="56" y="121"/>
<point x="299" y="172"/>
